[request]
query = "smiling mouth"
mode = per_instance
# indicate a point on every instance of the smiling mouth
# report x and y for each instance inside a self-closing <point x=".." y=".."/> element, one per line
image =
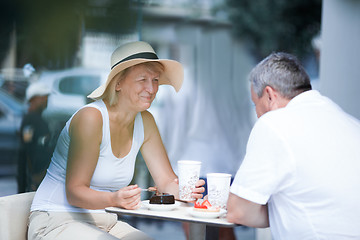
<point x="148" y="98"/>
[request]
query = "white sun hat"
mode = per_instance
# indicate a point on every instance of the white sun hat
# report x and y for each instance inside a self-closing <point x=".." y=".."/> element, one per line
<point x="133" y="53"/>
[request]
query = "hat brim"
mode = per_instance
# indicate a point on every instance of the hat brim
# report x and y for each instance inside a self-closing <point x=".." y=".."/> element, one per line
<point x="173" y="74"/>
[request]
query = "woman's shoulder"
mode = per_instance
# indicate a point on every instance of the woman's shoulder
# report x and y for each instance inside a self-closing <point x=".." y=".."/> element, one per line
<point x="87" y="116"/>
<point x="149" y="123"/>
<point x="147" y="118"/>
<point x="147" y="115"/>
<point x="89" y="111"/>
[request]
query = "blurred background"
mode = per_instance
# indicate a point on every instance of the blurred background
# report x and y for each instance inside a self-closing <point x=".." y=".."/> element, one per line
<point x="67" y="45"/>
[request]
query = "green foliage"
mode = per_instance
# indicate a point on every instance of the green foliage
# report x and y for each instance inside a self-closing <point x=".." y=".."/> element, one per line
<point x="116" y="17"/>
<point x="7" y="19"/>
<point x="276" y="25"/>
<point x="49" y="32"/>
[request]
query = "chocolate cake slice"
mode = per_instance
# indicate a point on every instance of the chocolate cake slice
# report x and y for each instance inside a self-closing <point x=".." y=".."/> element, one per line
<point x="162" y="198"/>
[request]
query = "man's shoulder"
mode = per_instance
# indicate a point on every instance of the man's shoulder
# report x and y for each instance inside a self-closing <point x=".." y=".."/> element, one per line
<point x="279" y="122"/>
<point x="275" y="116"/>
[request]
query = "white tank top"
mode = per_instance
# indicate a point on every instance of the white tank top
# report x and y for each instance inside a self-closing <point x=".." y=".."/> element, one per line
<point x="111" y="173"/>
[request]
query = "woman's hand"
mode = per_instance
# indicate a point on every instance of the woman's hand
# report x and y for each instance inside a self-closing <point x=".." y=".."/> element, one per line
<point x="197" y="191"/>
<point x="128" y="197"/>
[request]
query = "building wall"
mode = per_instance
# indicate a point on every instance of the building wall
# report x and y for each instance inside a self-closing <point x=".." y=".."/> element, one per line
<point x="339" y="60"/>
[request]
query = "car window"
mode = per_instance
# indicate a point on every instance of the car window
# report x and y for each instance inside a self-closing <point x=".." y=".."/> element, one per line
<point x="82" y="84"/>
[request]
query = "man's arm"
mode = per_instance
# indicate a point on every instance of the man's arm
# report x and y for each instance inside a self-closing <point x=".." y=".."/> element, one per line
<point x="244" y="212"/>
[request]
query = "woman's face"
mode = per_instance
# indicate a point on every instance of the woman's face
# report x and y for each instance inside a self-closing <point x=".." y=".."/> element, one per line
<point x="139" y="87"/>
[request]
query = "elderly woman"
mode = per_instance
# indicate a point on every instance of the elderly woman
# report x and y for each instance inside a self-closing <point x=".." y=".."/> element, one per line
<point x="94" y="159"/>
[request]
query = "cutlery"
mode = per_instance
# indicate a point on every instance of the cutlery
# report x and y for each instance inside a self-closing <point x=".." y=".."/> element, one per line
<point x="150" y="189"/>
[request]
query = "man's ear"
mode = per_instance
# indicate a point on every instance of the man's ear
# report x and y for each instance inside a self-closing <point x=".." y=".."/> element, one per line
<point x="274" y="99"/>
<point x="271" y="97"/>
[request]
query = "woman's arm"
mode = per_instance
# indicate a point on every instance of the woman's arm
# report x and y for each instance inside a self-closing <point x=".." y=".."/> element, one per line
<point x="85" y="138"/>
<point x="157" y="161"/>
<point x="155" y="156"/>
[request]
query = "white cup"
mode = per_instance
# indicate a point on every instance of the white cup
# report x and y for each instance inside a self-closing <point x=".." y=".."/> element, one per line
<point x="188" y="173"/>
<point x="218" y="187"/>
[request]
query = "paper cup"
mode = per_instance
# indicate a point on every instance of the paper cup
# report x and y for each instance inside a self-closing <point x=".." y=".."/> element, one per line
<point x="188" y="173"/>
<point x="218" y="186"/>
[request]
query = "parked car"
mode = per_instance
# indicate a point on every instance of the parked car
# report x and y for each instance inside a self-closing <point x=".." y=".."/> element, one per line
<point x="14" y="81"/>
<point x="11" y="113"/>
<point x="69" y="90"/>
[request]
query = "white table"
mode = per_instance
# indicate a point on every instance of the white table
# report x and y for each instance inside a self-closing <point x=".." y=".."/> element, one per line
<point x="197" y="225"/>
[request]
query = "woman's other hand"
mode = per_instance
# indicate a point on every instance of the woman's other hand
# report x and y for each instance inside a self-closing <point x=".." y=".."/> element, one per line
<point x="128" y="197"/>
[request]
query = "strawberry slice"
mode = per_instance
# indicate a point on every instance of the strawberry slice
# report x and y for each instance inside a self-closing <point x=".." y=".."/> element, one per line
<point x="203" y="204"/>
<point x="206" y="204"/>
<point x="198" y="204"/>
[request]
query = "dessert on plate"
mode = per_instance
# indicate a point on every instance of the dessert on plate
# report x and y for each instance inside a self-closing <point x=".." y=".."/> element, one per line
<point x="162" y="198"/>
<point x="205" y="206"/>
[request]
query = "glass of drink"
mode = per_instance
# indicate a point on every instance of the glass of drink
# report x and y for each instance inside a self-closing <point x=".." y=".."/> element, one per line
<point x="188" y="173"/>
<point x="218" y="185"/>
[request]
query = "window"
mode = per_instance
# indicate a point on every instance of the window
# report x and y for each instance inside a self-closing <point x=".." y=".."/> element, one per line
<point x="81" y="84"/>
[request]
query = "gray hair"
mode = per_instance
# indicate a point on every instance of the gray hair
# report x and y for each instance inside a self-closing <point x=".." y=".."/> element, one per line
<point x="281" y="71"/>
<point x="110" y="93"/>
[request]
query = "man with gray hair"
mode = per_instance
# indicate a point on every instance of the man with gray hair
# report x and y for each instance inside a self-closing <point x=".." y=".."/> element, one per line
<point x="300" y="174"/>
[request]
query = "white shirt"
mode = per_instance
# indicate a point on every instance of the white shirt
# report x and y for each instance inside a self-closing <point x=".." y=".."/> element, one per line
<point x="111" y="173"/>
<point x="304" y="161"/>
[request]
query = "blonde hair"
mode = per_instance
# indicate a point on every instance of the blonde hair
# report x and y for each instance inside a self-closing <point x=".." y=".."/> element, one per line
<point x="110" y="94"/>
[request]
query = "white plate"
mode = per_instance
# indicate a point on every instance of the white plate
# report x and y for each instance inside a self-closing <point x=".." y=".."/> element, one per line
<point x="160" y="207"/>
<point x="201" y="214"/>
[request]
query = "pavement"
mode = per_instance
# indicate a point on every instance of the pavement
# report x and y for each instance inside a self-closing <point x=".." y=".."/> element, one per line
<point x="157" y="229"/>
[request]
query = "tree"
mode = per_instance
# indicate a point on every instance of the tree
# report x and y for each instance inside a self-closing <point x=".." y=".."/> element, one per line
<point x="49" y="33"/>
<point x="7" y="21"/>
<point x="276" y="25"/>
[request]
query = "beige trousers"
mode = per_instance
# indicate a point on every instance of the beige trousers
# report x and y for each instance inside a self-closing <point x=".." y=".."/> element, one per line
<point x="69" y="225"/>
